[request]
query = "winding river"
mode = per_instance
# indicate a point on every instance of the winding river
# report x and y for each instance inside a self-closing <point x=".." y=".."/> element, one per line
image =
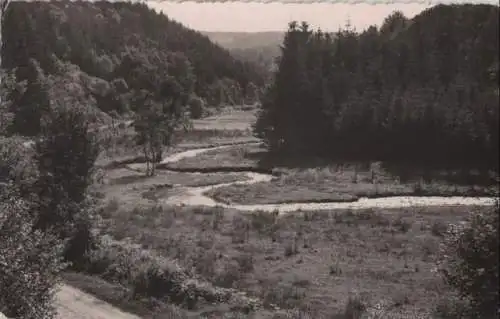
<point x="195" y="195"/>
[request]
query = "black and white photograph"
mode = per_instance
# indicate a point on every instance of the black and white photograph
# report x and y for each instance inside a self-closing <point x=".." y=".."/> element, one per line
<point x="239" y="159"/>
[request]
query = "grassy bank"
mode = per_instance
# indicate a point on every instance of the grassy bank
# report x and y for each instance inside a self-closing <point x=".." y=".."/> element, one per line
<point x="237" y="157"/>
<point x="318" y="262"/>
<point x="340" y="185"/>
<point x="329" y="182"/>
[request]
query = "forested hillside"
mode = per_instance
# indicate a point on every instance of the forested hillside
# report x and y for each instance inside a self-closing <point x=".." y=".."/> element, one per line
<point x="421" y="90"/>
<point x="263" y="56"/>
<point x="109" y="51"/>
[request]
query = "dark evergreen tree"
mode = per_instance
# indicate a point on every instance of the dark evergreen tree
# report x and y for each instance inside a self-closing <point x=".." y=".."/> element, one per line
<point x="418" y="91"/>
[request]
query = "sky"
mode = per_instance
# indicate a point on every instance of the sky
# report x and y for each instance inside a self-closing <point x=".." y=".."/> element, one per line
<point x="255" y="16"/>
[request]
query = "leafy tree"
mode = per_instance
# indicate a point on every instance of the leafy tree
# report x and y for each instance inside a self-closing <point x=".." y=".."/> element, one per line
<point x="160" y="101"/>
<point x="252" y="94"/>
<point x="65" y="156"/>
<point x="155" y="124"/>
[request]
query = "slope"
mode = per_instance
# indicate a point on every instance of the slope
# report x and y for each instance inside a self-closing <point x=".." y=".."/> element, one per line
<point x="117" y="47"/>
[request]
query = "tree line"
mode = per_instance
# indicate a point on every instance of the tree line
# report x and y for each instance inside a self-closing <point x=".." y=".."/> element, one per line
<point x="421" y="90"/>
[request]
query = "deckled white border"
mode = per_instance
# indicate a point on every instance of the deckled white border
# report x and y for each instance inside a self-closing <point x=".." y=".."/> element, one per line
<point x="373" y="2"/>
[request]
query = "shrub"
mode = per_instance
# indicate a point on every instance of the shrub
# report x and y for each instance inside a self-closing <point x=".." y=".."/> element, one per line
<point x="148" y="275"/>
<point x="439" y="228"/>
<point x="469" y="261"/>
<point x="402" y="225"/>
<point x="229" y="275"/>
<point x="196" y="107"/>
<point x="30" y="262"/>
<point x="291" y="248"/>
<point x="355" y="307"/>
<point x="245" y="262"/>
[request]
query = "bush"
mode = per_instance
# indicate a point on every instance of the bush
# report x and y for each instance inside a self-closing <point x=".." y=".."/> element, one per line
<point x="469" y="261"/>
<point x="196" y="107"/>
<point x="147" y="275"/>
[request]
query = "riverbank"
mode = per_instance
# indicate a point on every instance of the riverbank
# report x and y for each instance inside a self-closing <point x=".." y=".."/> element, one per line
<point x="332" y="182"/>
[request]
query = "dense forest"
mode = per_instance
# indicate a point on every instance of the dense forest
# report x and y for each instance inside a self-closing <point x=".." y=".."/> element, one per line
<point x="110" y="51"/>
<point x="421" y="91"/>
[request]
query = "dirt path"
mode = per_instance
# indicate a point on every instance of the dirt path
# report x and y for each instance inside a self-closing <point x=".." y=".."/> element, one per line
<point x="73" y="303"/>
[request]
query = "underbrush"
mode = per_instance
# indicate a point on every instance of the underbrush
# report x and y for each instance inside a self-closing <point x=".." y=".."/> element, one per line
<point x="150" y="279"/>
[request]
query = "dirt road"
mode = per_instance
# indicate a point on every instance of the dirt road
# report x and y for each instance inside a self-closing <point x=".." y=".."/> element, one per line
<point x="72" y="303"/>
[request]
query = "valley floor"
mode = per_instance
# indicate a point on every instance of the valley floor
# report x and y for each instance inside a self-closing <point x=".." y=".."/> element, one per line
<point x="323" y="264"/>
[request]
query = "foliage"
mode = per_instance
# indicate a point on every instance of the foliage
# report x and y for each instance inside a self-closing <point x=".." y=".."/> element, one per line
<point x="149" y="275"/>
<point x="65" y="156"/>
<point x="29" y="261"/>
<point x="196" y="107"/>
<point x="469" y="261"/>
<point x="160" y="102"/>
<point x="111" y="45"/>
<point x="8" y="86"/>
<point x="419" y="90"/>
<point x="155" y="125"/>
<point x="32" y="103"/>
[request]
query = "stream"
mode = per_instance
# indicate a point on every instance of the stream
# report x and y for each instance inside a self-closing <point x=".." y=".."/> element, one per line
<point x="194" y="196"/>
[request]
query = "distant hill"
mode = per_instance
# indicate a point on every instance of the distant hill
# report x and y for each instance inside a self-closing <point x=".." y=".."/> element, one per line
<point x="260" y="48"/>
<point x="246" y="40"/>
<point x="110" y="49"/>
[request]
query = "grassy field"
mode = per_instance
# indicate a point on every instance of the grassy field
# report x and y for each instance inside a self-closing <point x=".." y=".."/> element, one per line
<point x="317" y="262"/>
<point x="224" y="128"/>
<point x="134" y="187"/>
<point x="198" y="262"/>
<point x="243" y="157"/>
<point x="228" y="120"/>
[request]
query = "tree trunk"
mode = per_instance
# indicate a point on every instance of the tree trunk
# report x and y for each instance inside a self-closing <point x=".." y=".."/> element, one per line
<point x="146" y="155"/>
<point x="4" y="4"/>
<point x="154" y="161"/>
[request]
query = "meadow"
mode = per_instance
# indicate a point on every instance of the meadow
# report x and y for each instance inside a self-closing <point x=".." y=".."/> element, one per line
<point x="164" y="261"/>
